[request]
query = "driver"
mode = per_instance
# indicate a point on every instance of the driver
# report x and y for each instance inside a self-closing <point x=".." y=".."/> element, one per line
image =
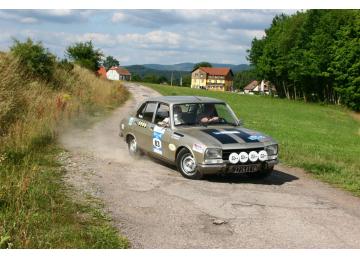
<point x="209" y="115"/>
<point x="177" y="117"/>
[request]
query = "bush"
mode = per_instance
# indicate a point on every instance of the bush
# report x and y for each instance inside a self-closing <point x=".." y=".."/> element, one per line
<point x="66" y="65"/>
<point x="37" y="60"/>
<point x="85" y="55"/>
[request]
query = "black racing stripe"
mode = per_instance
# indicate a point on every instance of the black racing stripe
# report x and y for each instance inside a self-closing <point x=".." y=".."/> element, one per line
<point x="243" y="135"/>
<point x="222" y="138"/>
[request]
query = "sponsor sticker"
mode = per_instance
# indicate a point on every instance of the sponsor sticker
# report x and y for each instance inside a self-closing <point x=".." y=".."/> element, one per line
<point x="131" y="120"/>
<point x="159" y="129"/>
<point x="256" y="137"/>
<point x="226" y="132"/>
<point x="263" y="156"/>
<point x="234" y="158"/>
<point x="253" y="156"/>
<point x="243" y="157"/>
<point x="157" y="136"/>
<point x="172" y="147"/>
<point x="142" y="123"/>
<point x="199" y="148"/>
<point x="157" y="146"/>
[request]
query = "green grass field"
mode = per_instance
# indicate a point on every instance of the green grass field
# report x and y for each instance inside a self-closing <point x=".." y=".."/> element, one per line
<point x="322" y="139"/>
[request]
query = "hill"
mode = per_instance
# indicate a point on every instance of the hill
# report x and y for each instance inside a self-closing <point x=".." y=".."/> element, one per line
<point x="188" y="66"/>
<point x="143" y="71"/>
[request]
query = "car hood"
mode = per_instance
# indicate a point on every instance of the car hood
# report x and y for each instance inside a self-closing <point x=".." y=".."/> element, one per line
<point x="227" y="137"/>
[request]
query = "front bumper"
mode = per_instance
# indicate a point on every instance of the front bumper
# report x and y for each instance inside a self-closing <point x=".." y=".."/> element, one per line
<point x="224" y="167"/>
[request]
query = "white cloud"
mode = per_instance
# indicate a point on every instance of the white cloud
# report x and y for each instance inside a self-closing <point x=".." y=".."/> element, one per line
<point x="118" y="17"/>
<point x="163" y="38"/>
<point x="28" y="20"/>
<point x="145" y="36"/>
<point x="37" y="16"/>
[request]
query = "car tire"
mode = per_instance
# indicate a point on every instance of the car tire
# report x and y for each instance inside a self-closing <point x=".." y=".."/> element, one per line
<point x="186" y="165"/>
<point x="262" y="174"/>
<point x="134" y="150"/>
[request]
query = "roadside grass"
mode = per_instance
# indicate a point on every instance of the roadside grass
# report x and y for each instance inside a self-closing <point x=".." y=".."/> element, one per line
<point x="37" y="208"/>
<point x="322" y="139"/>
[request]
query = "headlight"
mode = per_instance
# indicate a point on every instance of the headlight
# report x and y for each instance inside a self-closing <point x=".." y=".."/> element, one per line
<point x="213" y="153"/>
<point x="272" y="149"/>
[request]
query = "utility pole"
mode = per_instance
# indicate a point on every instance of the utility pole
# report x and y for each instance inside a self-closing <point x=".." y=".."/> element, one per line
<point x="180" y="80"/>
<point x="171" y="78"/>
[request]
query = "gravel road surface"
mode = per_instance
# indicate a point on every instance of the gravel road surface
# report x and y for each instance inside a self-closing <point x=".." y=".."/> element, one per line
<point x="155" y="207"/>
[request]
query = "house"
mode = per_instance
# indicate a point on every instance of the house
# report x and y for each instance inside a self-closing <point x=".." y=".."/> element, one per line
<point x="217" y="79"/>
<point x="101" y="72"/>
<point x="256" y="87"/>
<point x="118" y="73"/>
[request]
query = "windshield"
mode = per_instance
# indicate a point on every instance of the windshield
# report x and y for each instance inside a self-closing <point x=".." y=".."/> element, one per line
<point x="203" y="114"/>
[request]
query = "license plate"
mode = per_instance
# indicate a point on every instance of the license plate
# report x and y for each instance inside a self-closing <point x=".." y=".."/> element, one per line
<point x="244" y="168"/>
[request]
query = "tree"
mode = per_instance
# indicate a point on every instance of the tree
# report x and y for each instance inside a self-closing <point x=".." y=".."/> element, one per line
<point x="151" y="78"/>
<point x="186" y="80"/>
<point x="162" y="79"/>
<point x="110" y="61"/>
<point x="37" y="60"/>
<point x="85" y="55"/>
<point x="135" y="77"/>
<point x="242" y="78"/>
<point x="202" y="64"/>
<point x="312" y="55"/>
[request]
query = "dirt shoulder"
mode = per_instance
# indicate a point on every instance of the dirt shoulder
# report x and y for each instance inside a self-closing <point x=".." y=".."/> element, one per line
<point x="157" y="208"/>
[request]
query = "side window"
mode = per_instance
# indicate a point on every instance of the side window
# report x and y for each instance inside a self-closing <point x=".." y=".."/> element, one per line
<point x="146" y="111"/>
<point x="140" y="112"/>
<point x="162" y="113"/>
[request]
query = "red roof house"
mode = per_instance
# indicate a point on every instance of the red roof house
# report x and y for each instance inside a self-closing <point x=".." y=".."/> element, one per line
<point x="118" y="73"/>
<point x="101" y="72"/>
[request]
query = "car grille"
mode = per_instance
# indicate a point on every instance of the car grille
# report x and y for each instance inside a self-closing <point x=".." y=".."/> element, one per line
<point x="226" y="153"/>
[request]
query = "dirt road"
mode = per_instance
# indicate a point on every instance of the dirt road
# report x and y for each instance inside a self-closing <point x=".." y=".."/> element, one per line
<point x="155" y="207"/>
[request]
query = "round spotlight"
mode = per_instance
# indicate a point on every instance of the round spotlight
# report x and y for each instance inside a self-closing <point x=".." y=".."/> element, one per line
<point x="253" y="156"/>
<point x="243" y="157"/>
<point x="234" y="158"/>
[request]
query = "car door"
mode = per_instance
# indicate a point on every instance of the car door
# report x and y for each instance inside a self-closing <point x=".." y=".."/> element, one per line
<point x="162" y="132"/>
<point x="145" y="126"/>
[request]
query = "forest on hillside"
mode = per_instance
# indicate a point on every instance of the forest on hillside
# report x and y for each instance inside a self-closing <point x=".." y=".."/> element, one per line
<point x="312" y="55"/>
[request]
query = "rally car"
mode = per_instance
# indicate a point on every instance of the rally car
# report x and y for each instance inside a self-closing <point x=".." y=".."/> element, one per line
<point x="200" y="135"/>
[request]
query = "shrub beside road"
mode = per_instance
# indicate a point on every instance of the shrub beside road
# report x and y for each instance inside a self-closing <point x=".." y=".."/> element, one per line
<point x="37" y="208"/>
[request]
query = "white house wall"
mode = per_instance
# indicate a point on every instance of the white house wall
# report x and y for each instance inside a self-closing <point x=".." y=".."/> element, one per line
<point x="112" y="75"/>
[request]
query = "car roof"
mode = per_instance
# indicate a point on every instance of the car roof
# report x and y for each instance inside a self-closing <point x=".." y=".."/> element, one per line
<point x="184" y="99"/>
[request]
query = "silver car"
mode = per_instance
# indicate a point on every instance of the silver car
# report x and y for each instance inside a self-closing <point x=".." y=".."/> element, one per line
<point x="200" y="135"/>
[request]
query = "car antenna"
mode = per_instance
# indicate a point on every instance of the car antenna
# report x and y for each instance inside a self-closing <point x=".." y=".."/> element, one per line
<point x="197" y="98"/>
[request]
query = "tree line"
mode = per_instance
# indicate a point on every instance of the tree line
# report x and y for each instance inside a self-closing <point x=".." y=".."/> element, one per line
<point x="312" y="55"/>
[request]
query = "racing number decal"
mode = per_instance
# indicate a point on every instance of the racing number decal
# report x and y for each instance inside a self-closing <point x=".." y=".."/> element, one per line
<point x="157" y="143"/>
<point x="157" y="136"/>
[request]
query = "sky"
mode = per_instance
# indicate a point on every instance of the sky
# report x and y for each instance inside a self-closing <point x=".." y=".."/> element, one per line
<point x="143" y="36"/>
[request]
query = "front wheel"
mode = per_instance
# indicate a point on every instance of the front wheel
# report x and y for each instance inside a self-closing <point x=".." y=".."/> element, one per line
<point x="186" y="165"/>
<point x="133" y="147"/>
